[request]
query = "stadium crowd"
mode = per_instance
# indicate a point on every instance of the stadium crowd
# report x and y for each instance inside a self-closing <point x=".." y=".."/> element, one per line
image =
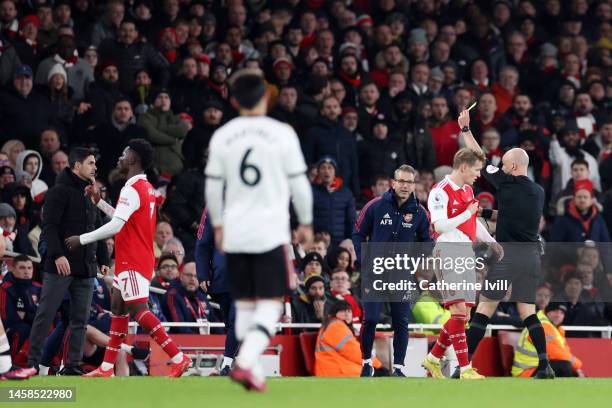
<point x="367" y="85"/>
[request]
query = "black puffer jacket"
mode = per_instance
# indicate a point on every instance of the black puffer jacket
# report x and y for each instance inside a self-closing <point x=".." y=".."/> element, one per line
<point x="66" y="212"/>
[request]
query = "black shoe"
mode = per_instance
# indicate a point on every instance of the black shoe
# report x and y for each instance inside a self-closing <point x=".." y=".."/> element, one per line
<point x="71" y="371"/>
<point x="546" y="373"/>
<point x="397" y="373"/>
<point x="225" y="371"/>
<point x="457" y="373"/>
<point x="140" y="353"/>
<point x="367" y="370"/>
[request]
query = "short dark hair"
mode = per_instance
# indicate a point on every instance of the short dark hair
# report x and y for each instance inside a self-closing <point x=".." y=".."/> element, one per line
<point x="78" y="155"/>
<point x="339" y="306"/>
<point x="247" y="88"/>
<point x="143" y="150"/>
<point x="579" y="161"/>
<point x="21" y="258"/>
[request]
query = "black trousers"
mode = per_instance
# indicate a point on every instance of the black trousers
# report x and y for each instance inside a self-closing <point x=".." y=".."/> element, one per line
<point x="53" y="291"/>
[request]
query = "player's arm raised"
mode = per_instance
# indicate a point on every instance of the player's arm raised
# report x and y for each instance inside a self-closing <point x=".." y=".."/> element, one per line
<point x="464" y="124"/>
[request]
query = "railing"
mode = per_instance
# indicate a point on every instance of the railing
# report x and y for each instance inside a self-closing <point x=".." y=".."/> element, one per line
<point x="606" y="331"/>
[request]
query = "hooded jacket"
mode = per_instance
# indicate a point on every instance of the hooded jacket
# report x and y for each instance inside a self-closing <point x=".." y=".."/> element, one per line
<point x="574" y="227"/>
<point x="39" y="187"/>
<point x="67" y="211"/>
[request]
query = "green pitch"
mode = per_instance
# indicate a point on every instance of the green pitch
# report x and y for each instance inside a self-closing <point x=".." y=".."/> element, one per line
<point x="192" y="392"/>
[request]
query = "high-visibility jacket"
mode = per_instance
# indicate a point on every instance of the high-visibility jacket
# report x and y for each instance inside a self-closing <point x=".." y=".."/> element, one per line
<point x="526" y="356"/>
<point x="338" y="352"/>
<point x="428" y="310"/>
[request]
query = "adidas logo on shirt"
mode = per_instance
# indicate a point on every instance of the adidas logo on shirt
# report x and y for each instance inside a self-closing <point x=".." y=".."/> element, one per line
<point x="386" y="220"/>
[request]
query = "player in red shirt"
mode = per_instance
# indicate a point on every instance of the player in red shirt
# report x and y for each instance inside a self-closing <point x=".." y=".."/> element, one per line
<point x="453" y="211"/>
<point x="133" y="225"/>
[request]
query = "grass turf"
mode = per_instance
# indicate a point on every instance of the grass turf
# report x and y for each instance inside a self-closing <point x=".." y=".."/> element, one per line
<point x="135" y="392"/>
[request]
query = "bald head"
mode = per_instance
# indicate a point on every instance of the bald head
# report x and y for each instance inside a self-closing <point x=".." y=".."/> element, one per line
<point x="515" y="162"/>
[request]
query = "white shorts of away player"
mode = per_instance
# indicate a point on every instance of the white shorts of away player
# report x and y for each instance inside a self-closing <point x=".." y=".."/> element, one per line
<point x="133" y="286"/>
<point x="460" y="277"/>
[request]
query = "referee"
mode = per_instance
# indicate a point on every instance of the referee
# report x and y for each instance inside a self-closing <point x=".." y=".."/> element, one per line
<point x="520" y="204"/>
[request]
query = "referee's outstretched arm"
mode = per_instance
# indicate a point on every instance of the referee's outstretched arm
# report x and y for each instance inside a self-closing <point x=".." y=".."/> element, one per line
<point x="464" y="124"/>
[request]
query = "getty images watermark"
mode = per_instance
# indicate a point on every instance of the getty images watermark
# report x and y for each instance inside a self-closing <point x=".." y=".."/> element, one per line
<point x="400" y="272"/>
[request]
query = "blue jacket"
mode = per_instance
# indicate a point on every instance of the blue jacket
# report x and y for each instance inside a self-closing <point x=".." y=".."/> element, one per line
<point x="18" y="295"/>
<point x="333" y="212"/>
<point x="569" y="227"/>
<point x="381" y="220"/>
<point x="210" y="263"/>
<point x="181" y="306"/>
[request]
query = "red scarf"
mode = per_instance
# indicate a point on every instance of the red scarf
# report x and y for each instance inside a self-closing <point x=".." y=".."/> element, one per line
<point x="334" y="186"/>
<point x="586" y="224"/>
<point x="237" y="56"/>
<point x="354" y="82"/>
<point x="170" y="55"/>
<point x="162" y="282"/>
<point x="221" y="89"/>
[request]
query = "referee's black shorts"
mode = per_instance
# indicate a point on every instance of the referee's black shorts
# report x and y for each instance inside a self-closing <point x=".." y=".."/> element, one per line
<point x="519" y="270"/>
<point x="264" y="275"/>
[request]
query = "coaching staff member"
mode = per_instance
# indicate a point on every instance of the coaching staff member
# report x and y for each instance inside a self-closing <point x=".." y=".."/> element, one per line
<point x="520" y="204"/>
<point x="68" y="211"/>
<point x="396" y="216"/>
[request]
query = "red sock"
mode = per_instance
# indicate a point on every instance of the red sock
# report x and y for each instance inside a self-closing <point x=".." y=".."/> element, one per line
<point x="153" y="326"/>
<point x="442" y="343"/>
<point x="457" y="336"/>
<point x="118" y="332"/>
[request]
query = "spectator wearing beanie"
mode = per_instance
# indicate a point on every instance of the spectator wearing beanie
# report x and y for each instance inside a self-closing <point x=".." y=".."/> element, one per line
<point x="15" y="235"/>
<point x="23" y="111"/>
<point x="313" y="305"/>
<point x="78" y="71"/>
<point x="581" y="220"/>
<point x="26" y="44"/>
<point x="195" y="145"/>
<point x="380" y="155"/>
<point x="329" y="137"/>
<point x="334" y="205"/>
<point x="166" y="132"/>
<point x="100" y="100"/>
<point x="61" y="97"/>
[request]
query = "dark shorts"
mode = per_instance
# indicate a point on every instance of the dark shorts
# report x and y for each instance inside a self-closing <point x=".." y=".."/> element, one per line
<point x="265" y="275"/>
<point x="519" y="271"/>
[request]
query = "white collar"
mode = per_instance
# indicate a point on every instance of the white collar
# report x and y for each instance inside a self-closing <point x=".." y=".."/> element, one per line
<point x="135" y="178"/>
<point x="454" y="186"/>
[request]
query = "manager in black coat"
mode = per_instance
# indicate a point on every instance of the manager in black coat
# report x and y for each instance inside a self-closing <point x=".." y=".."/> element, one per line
<point x="68" y="211"/>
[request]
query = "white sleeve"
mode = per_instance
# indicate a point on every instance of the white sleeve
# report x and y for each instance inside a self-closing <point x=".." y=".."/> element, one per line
<point x="106" y="231"/>
<point x="482" y="234"/>
<point x="438" y="208"/>
<point x="129" y="201"/>
<point x="106" y="208"/>
<point x="295" y="170"/>
<point x="214" y="166"/>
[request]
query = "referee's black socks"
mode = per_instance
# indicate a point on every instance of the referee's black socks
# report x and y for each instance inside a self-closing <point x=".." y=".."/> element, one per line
<point x="536" y="332"/>
<point x="476" y="331"/>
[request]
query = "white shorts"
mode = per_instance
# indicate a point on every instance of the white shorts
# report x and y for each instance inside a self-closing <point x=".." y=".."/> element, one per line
<point x="133" y="286"/>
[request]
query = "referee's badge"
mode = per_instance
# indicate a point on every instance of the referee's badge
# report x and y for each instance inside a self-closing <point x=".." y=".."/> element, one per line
<point x="492" y="169"/>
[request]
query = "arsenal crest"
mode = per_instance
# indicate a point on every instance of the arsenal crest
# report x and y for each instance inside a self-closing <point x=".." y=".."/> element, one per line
<point x="408" y="217"/>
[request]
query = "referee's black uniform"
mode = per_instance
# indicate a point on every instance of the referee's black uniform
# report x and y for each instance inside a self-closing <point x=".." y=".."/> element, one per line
<point x="520" y="204"/>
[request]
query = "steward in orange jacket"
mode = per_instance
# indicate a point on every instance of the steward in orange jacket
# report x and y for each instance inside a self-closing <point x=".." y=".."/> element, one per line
<point x="337" y="351"/>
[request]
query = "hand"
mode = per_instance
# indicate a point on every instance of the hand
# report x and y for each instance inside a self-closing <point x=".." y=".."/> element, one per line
<point x="304" y="236"/>
<point x="104" y="270"/>
<point x="580" y="373"/>
<point x="473" y="207"/>
<point x="498" y="250"/>
<point x="205" y="285"/>
<point x="93" y="192"/>
<point x="319" y="308"/>
<point x="63" y="266"/>
<point x="464" y="119"/>
<point x="83" y="107"/>
<point x="219" y="238"/>
<point x="73" y="243"/>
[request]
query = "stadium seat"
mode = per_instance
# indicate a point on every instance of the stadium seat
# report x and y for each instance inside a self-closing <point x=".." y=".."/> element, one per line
<point x="507" y="341"/>
<point x="308" y="342"/>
